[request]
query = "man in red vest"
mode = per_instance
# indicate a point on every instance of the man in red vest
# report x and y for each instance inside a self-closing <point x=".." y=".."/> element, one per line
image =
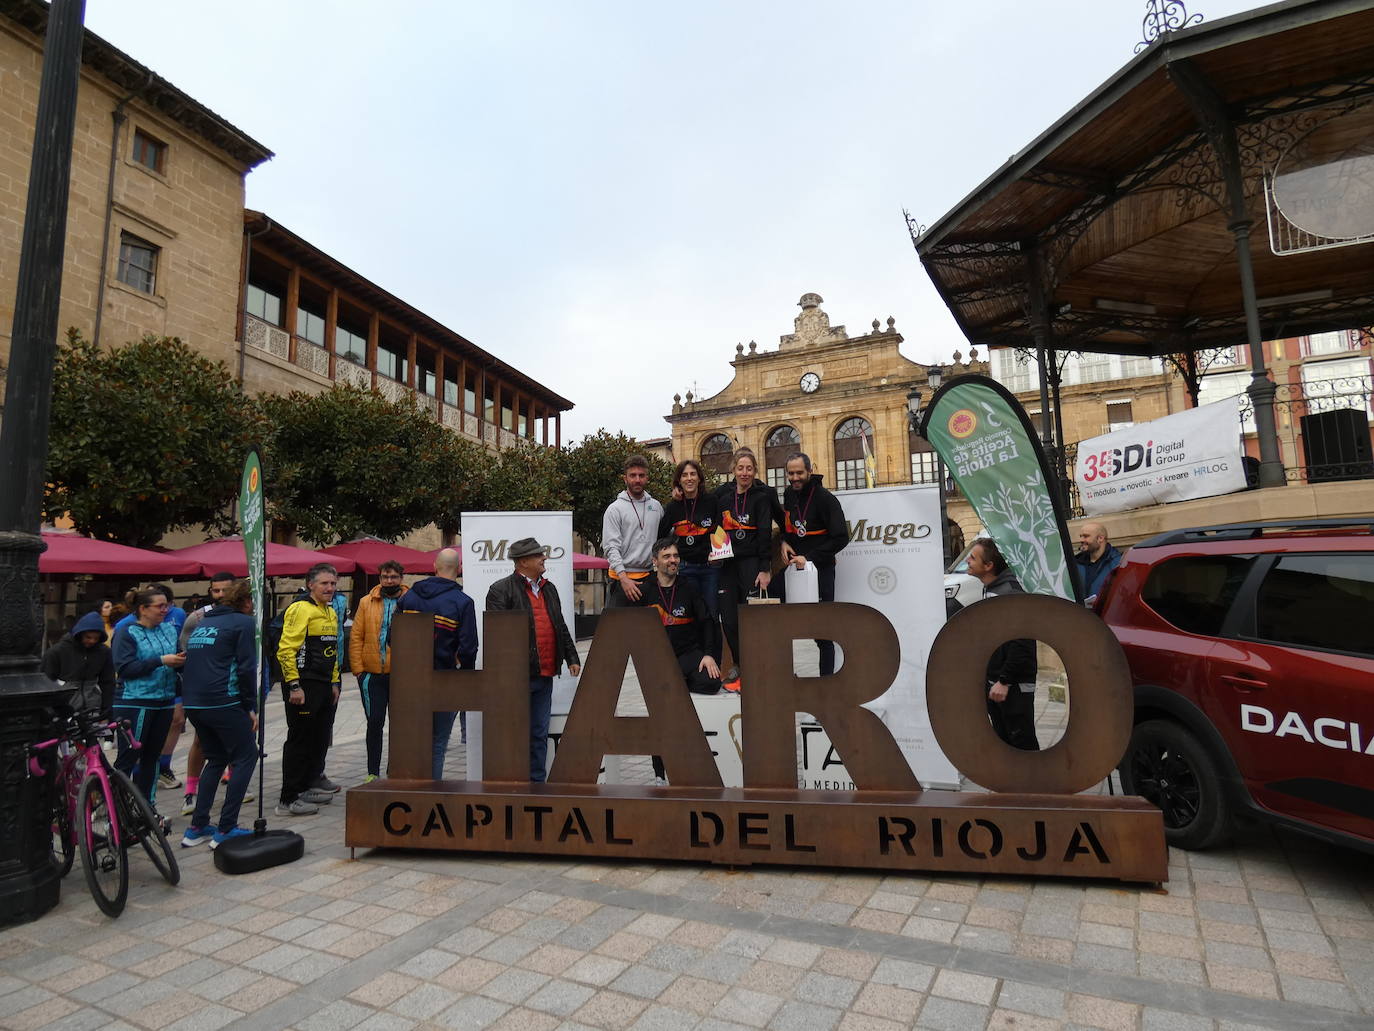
<point x="550" y="643"/>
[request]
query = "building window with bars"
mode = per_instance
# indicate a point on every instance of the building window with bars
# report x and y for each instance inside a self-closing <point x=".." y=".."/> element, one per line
<point x="149" y="152"/>
<point x="781" y="442"/>
<point x="137" y="263"/>
<point x="717" y="459"/>
<point x="850" y="436"/>
<point x="1119" y="416"/>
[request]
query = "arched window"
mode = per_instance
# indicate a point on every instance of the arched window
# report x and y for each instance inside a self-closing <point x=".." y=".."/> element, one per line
<point x="780" y="443"/>
<point x="849" y="452"/>
<point x="925" y="466"/>
<point x="716" y="454"/>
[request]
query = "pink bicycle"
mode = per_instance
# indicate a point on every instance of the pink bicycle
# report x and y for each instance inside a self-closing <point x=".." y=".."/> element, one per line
<point x="97" y="810"/>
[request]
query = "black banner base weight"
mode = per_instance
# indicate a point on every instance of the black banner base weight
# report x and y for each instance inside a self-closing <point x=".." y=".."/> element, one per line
<point x="259" y="852"/>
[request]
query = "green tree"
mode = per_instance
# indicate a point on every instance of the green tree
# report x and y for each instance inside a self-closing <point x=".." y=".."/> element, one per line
<point x="462" y="487"/>
<point x="593" y="470"/>
<point x="145" y="438"/>
<point x="349" y="462"/>
<point x="527" y="477"/>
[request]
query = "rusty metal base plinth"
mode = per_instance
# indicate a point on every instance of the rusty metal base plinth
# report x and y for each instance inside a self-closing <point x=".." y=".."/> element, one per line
<point x="936" y="831"/>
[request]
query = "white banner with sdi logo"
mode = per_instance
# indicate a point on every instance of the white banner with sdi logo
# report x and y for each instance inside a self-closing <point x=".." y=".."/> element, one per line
<point x="1192" y="454"/>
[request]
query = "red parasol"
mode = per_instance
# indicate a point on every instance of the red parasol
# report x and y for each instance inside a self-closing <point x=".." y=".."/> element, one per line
<point x="371" y="552"/>
<point x="226" y="554"/>
<point x="72" y="553"/>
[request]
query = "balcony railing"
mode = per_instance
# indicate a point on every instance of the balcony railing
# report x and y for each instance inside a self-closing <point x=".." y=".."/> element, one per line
<point x="274" y="340"/>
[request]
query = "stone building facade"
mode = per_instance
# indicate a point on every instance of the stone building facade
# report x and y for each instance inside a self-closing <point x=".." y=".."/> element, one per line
<point x="824" y="393"/>
<point x="154" y="223"/>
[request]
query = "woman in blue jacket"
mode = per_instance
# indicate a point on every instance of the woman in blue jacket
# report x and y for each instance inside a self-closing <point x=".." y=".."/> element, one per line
<point x="219" y="694"/>
<point x="146" y="660"/>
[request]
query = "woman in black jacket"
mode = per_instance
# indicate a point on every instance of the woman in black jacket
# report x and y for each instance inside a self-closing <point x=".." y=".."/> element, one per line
<point x="690" y="519"/>
<point x="746" y="514"/>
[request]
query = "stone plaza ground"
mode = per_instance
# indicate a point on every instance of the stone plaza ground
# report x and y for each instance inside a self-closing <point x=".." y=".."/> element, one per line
<point x="1273" y="932"/>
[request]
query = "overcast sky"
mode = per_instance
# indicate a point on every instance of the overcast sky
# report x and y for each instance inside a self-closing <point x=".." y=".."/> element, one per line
<point x="610" y="195"/>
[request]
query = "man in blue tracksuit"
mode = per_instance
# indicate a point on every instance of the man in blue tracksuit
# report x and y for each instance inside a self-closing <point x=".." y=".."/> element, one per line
<point x="219" y="693"/>
<point x="455" y="634"/>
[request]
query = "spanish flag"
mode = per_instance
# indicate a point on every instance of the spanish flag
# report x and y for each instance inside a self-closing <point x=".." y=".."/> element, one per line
<point x="870" y="464"/>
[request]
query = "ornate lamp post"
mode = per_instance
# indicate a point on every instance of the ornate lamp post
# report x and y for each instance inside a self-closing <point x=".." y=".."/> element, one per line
<point x="935" y="375"/>
<point x="28" y="880"/>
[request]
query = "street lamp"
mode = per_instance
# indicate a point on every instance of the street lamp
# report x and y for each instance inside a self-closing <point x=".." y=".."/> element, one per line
<point x="28" y="881"/>
<point x="934" y="376"/>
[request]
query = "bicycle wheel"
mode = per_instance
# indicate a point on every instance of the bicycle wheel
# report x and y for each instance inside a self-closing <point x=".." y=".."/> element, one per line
<point x="63" y="835"/>
<point x="139" y="821"/>
<point x="106" y="863"/>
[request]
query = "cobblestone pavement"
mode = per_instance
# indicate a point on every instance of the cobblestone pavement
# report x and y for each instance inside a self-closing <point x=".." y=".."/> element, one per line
<point x="1275" y="932"/>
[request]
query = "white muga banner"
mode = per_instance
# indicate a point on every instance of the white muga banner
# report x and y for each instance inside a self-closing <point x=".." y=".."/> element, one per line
<point x="487" y="536"/>
<point x="1191" y="454"/>
<point x="894" y="563"/>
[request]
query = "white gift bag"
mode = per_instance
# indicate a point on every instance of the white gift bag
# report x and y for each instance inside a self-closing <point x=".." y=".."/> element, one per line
<point x="802" y="585"/>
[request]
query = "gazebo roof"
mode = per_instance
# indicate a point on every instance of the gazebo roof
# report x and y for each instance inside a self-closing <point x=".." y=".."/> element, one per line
<point x="1119" y="211"/>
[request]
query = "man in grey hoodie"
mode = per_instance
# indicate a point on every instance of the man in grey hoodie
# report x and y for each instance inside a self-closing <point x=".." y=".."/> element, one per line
<point x="628" y="531"/>
<point x="1012" y="670"/>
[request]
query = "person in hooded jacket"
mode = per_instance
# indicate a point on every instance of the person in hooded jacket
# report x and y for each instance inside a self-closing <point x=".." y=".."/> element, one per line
<point x="82" y="659"/>
<point x="1012" y="670"/>
<point x="219" y="690"/>
<point x="747" y="510"/>
<point x="455" y="634"/>
<point x="369" y="654"/>
<point x="629" y="528"/>
<point x="814" y="530"/>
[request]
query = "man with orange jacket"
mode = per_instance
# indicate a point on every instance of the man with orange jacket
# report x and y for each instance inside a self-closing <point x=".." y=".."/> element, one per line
<point x="369" y="656"/>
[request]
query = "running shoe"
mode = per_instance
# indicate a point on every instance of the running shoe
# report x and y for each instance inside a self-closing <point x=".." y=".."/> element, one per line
<point x="730" y="685"/>
<point x="318" y="797"/>
<point x="220" y="837"/>
<point x="659" y="782"/>
<point x="169" y="780"/>
<point x="369" y="778"/>
<point x="323" y="783"/>
<point x="188" y="805"/>
<point x="299" y="807"/>
<point x="195" y="835"/>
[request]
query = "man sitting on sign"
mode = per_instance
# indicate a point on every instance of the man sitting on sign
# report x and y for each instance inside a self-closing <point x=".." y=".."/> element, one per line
<point x="813" y="531"/>
<point x="692" y="631"/>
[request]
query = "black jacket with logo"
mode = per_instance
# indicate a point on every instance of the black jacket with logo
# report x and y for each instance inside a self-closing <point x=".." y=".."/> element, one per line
<point x="813" y="522"/>
<point x="690" y="522"/>
<point x="749" y="519"/>
<point x="684" y="615"/>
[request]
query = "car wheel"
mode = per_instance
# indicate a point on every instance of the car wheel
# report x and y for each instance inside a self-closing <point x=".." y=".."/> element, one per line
<point x="1167" y="765"/>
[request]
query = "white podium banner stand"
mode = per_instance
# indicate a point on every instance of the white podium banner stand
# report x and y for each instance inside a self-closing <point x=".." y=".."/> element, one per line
<point x="487" y="537"/>
<point x="894" y="563"/>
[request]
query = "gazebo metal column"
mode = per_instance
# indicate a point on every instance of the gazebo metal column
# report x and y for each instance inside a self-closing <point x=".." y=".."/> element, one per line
<point x="1214" y="121"/>
<point x="28" y="880"/>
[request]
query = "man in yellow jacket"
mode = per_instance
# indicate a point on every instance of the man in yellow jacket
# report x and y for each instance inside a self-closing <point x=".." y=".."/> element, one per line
<point x="369" y="656"/>
<point x="309" y="658"/>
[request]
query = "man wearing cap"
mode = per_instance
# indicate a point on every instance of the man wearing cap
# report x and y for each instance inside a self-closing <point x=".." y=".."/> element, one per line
<point x="550" y="643"/>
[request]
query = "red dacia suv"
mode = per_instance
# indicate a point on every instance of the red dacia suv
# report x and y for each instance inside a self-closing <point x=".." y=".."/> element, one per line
<point x="1252" y="655"/>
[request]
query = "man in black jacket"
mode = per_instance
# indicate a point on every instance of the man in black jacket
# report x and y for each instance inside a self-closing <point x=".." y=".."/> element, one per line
<point x="81" y="660"/>
<point x="813" y="530"/>
<point x="551" y="645"/>
<point x="1012" y="670"/>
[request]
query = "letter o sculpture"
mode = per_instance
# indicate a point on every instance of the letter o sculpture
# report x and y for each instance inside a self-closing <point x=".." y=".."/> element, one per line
<point x="1100" y="709"/>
